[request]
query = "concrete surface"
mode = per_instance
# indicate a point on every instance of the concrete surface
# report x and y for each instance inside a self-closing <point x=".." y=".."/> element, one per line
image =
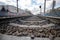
<point x="8" y="37"/>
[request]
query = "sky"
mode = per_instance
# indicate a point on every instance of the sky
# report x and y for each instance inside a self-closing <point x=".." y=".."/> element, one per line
<point x="32" y="5"/>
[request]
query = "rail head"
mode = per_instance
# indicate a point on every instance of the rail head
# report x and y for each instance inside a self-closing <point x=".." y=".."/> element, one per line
<point x="53" y="19"/>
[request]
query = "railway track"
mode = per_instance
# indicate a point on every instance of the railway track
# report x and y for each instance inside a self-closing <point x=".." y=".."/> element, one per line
<point x="15" y="27"/>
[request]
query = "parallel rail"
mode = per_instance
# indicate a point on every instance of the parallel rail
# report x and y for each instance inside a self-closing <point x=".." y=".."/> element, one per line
<point x="52" y="19"/>
<point x="8" y="19"/>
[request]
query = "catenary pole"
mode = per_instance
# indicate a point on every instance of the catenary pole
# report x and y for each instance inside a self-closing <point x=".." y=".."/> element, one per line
<point x="17" y="6"/>
<point x="44" y="6"/>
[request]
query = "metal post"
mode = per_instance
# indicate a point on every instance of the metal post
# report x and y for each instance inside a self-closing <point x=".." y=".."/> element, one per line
<point x="17" y="6"/>
<point x="53" y="5"/>
<point x="44" y="6"/>
<point x="8" y="6"/>
<point x="40" y="9"/>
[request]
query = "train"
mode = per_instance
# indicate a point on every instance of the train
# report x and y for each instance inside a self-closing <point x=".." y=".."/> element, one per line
<point x="6" y="13"/>
<point x="11" y="11"/>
